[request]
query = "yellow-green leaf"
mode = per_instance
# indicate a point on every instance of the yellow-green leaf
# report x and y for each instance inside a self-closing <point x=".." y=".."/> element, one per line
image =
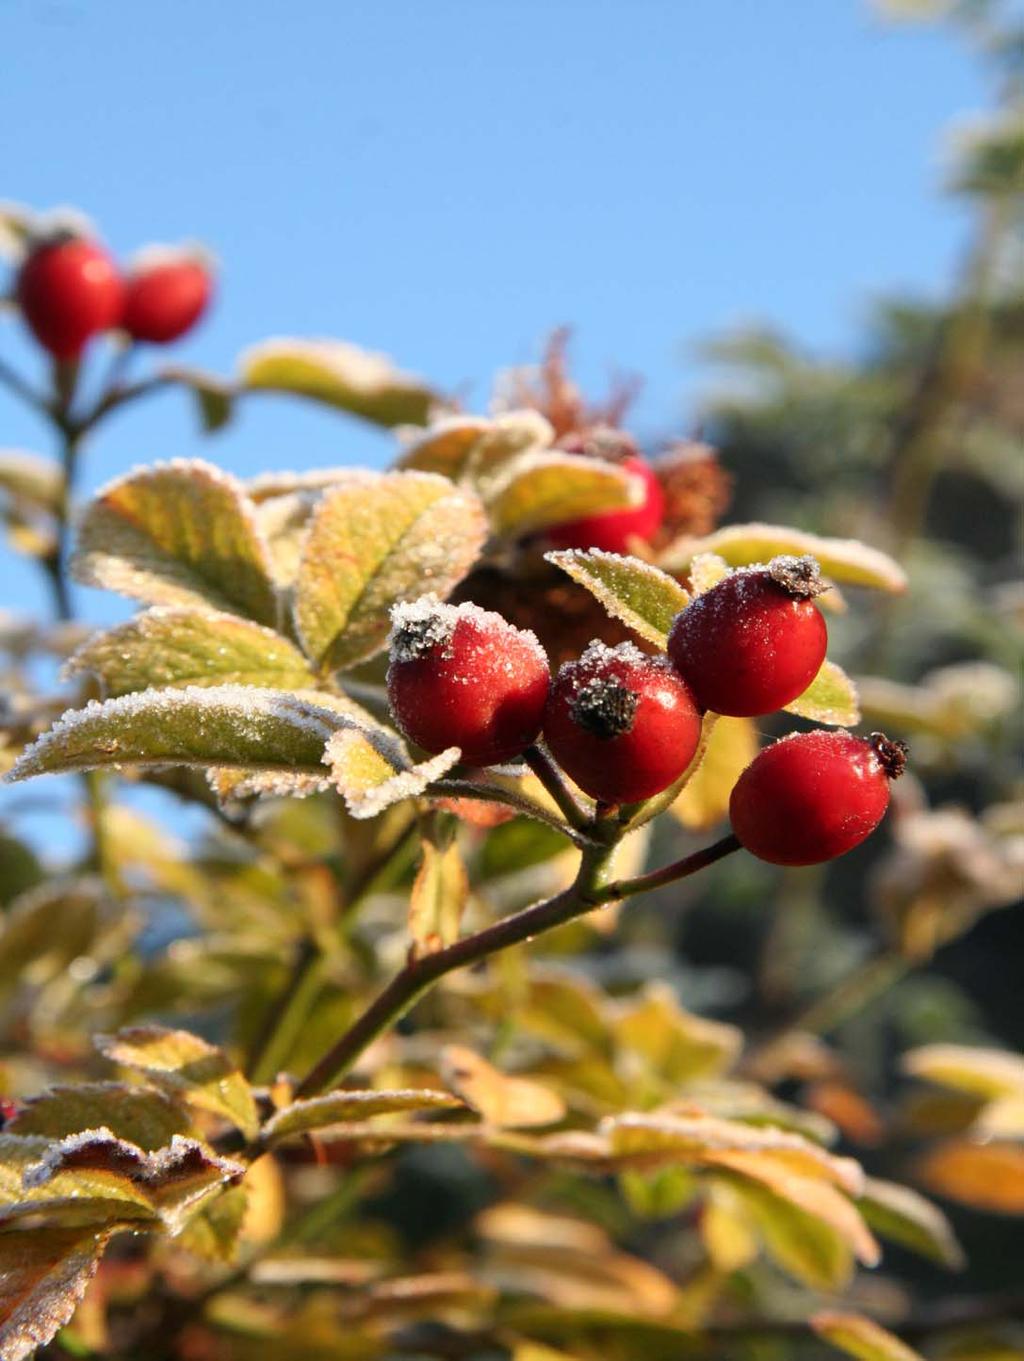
<point x="732" y="745"/>
<point x="706" y="570"/>
<point x="991" y="1073"/>
<point x="43" y="1275"/>
<point x="340" y="375"/>
<point x="904" y="1216"/>
<point x="504" y="1101"/>
<point x="214" y="398"/>
<point x="261" y="730"/>
<point x="830" y="698"/>
<point x="642" y="596"/>
<point x="372" y="769"/>
<point x="178" y="646"/>
<point x="342" y="1107"/>
<point x="438" y="897"/>
<point x="861" y="1338"/>
<point x="30" y="481"/>
<point x="372" y="545"/>
<point x="542" y="489"/>
<point x="845" y="560"/>
<point x="142" y="1115"/>
<point x="178" y="533"/>
<point x="187" y="1066"/>
<point x="801" y="1243"/>
<point x="474" y="446"/>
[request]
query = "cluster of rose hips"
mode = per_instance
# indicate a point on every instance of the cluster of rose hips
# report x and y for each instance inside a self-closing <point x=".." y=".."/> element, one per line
<point x="69" y="290"/>
<point x="625" y="725"/>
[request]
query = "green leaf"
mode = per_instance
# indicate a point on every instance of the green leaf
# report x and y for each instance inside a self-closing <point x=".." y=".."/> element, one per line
<point x="660" y="1194"/>
<point x="261" y="730"/>
<point x="503" y="1101"/>
<point x="180" y="646"/>
<point x="539" y="490"/>
<point x="679" y="1046"/>
<point x="142" y="1115"/>
<point x="215" y="399"/>
<point x="341" y="1107"/>
<point x="43" y="1275"/>
<point x="830" y="698"/>
<point x="186" y="1066"/>
<point x="475" y="447"/>
<point x="340" y="375"/>
<point x="372" y="545"/>
<point x="731" y="746"/>
<point x="904" y="1216"/>
<point x="48" y="926"/>
<point x="30" y="481"/>
<point x="372" y="770"/>
<point x="860" y="1337"/>
<point x="643" y="597"/>
<point x="706" y="570"/>
<point x="440" y="892"/>
<point x="178" y="533"/>
<point x="841" y="559"/>
<point x="800" y="1242"/>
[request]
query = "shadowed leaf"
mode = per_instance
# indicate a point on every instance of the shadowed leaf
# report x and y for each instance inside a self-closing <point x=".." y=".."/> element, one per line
<point x="142" y="1115"/>
<point x="861" y="1338"/>
<point x="43" y="1275"/>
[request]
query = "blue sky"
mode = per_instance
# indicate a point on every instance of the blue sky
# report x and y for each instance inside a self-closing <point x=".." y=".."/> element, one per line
<point x="446" y="180"/>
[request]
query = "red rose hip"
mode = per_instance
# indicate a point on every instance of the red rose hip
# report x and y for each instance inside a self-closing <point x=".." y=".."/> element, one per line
<point x="166" y="292"/>
<point x="814" y="795"/>
<point x="69" y="290"/>
<point x="463" y="677"/>
<point x="623" y="725"/>
<point x="615" y="530"/>
<point x="755" y="641"/>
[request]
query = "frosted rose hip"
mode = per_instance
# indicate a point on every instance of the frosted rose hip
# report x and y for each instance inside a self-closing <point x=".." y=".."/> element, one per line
<point x="755" y="641"/>
<point x="464" y="677"/>
<point x="69" y="290"/>
<point x="621" y="724"/>
<point x="814" y="795"/>
<point x="165" y="295"/>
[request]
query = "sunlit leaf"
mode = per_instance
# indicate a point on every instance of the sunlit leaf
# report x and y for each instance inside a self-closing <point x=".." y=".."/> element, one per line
<point x="178" y="533"/>
<point x="178" y="646"/>
<point x="43" y="1275"/>
<point x="830" y="698"/>
<point x="372" y="770"/>
<point x="642" y="596"/>
<point x="508" y="1102"/>
<point x="706" y="570"/>
<point x="372" y="545"/>
<point x="987" y="1176"/>
<point x="438" y="897"/>
<point x="475" y="446"/>
<point x="31" y="481"/>
<point x="862" y="1338"/>
<point x="844" y="560"/>
<point x="228" y="724"/>
<point x="543" y="489"/>
<point x="339" y="374"/>
<point x="731" y="747"/>
<point x="903" y="1216"/>
<point x="321" y="1112"/>
<point x="187" y="1066"/>
<point x="142" y="1115"/>
<point x="989" y="1073"/>
<point x="679" y="1046"/>
<point x="801" y="1242"/>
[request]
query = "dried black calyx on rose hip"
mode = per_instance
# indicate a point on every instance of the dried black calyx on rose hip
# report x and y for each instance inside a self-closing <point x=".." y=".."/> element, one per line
<point x="606" y="708"/>
<point x="798" y="577"/>
<point x="891" y="753"/>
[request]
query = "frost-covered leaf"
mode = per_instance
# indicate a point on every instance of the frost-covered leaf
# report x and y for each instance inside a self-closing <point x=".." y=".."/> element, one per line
<point x="260" y="730"/>
<point x="474" y="446"/>
<point x="538" y="490"/>
<point x="830" y="698"/>
<point x="732" y="745"/>
<point x="215" y="399"/>
<point x="213" y="1231"/>
<point x="186" y="1066"/>
<point x="989" y="1073"/>
<point x="845" y="560"/>
<point x="341" y="1107"/>
<point x="861" y="1338"/>
<point x="643" y="597"/>
<point x="178" y="646"/>
<point x="372" y="769"/>
<point x="372" y="545"/>
<point x="29" y="480"/>
<point x="503" y="1101"/>
<point x="706" y="570"/>
<point x="178" y="533"/>
<point x="143" y="1115"/>
<point x="93" y="1177"/>
<point x="986" y="1176"/>
<point x="341" y="375"/>
<point x="438" y="897"/>
<point x="903" y="1216"/>
<point x="43" y="1275"/>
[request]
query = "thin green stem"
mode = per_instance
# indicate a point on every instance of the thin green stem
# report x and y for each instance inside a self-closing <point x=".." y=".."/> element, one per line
<point x="550" y="777"/>
<point x="591" y="889"/>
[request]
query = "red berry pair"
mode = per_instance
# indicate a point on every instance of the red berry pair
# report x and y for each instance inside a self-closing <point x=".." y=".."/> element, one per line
<point x="69" y="290"/>
<point x="621" y="724"/>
